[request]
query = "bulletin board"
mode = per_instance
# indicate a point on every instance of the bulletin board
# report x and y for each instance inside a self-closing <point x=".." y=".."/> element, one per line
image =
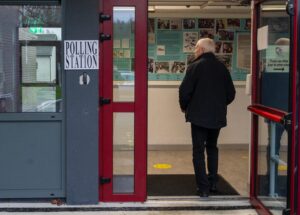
<point x="171" y="42"/>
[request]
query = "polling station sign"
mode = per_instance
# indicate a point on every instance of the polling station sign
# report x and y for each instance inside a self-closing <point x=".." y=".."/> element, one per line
<point x="81" y="54"/>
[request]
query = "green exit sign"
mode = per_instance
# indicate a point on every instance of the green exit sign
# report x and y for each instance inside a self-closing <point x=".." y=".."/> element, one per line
<point x="36" y="30"/>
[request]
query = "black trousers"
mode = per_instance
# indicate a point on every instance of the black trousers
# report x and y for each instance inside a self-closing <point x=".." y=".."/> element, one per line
<point x="205" y="138"/>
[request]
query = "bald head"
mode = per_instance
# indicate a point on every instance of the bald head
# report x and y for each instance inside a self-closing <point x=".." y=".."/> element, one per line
<point x="204" y="45"/>
<point x="282" y="41"/>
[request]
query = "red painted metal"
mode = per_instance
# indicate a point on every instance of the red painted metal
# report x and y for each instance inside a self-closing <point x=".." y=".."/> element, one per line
<point x="273" y="115"/>
<point x="268" y="113"/>
<point x="295" y="197"/>
<point x="138" y="107"/>
<point x="254" y="121"/>
<point x="259" y="207"/>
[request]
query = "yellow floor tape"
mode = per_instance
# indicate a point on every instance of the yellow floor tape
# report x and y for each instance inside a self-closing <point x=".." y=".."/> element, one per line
<point x="282" y="168"/>
<point x="162" y="166"/>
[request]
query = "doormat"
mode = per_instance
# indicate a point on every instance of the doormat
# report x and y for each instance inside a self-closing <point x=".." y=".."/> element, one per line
<point x="182" y="185"/>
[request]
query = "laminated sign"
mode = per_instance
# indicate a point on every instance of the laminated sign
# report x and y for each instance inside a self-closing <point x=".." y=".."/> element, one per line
<point x="81" y="54"/>
<point x="278" y="58"/>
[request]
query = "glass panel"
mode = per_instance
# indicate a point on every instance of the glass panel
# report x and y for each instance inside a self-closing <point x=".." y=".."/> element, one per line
<point x="274" y="92"/>
<point x="30" y="75"/>
<point x="272" y="164"/>
<point x="123" y="54"/>
<point x="123" y="153"/>
<point x="274" y="55"/>
<point x="38" y="64"/>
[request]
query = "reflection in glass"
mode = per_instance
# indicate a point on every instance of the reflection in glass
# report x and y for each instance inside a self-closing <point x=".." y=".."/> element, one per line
<point x="123" y="153"/>
<point x="30" y="77"/>
<point x="38" y="64"/>
<point x="123" y="54"/>
<point x="274" y="67"/>
<point x="272" y="163"/>
<point x="274" y="61"/>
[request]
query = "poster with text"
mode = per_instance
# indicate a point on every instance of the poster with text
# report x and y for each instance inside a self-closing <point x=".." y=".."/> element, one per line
<point x="162" y="67"/>
<point x="177" y="67"/>
<point x="189" y="41"/>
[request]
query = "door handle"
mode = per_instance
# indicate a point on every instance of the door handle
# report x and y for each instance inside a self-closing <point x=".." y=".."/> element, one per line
<point x="104" y="101"/>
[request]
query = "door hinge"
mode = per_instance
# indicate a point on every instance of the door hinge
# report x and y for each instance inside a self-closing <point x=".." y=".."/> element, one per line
<point x="290" y="8"/>
<point x="104" y="37"/>
<point x="104" y="101"/>
<point x="104" y="17"/>
<point x="104" y="180"/>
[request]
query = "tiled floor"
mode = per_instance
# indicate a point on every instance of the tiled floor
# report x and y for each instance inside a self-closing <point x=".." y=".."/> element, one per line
<point x="233" y="165"/>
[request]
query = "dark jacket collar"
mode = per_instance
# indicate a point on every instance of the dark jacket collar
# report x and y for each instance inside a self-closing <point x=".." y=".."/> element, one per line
<point x="207" y="55"/>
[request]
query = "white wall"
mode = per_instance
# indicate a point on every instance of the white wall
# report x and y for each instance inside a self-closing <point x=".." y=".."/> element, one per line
<point x="166" y="123"/>
<point x="167" y="126"/>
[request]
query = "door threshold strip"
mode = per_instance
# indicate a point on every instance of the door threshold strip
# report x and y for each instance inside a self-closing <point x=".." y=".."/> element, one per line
<point x="152" y="204"/>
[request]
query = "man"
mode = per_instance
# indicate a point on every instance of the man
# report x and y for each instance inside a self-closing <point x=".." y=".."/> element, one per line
<point x="204" y="94"/>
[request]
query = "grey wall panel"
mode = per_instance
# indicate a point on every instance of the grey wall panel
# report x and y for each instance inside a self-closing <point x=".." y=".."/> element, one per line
<point x="32" y="162"/>
<point x="81" y="23"/>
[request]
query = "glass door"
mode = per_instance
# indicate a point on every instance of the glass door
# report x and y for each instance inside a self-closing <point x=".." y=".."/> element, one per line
<point x="273" y="125"/>
<point x="123" y="100"/>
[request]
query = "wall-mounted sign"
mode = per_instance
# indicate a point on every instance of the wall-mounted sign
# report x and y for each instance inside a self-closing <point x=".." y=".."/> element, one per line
<point x="81" y="54"/>
<point x="278" y="59"/>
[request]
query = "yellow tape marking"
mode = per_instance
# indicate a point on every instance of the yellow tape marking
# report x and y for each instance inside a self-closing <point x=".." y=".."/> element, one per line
<point x="162" y="166"/>
<point x="282" y="168"/>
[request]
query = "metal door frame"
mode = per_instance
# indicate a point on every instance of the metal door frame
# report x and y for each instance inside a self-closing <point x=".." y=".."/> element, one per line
<point x="291" y="198"/>
<point x="138" y="107"/>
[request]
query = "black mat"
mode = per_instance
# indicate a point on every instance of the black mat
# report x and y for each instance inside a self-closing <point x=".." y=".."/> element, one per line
<point x="182" y="185"/>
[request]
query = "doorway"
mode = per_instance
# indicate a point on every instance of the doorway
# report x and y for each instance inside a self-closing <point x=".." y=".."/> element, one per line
<point x="169" y="53"/>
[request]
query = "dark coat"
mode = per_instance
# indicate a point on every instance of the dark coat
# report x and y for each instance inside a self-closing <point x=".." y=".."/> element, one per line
<point x="205" y="92"/>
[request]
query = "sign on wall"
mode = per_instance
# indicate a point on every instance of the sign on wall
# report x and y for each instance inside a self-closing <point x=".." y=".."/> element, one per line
<point x="172" y="40"/>
<point x="81" y="54"/>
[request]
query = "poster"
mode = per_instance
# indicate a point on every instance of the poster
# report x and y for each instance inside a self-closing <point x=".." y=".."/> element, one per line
<point x="189" y="41"/>
<point x="243" y="53"/>
<point x="160" y="50"/>
<point x="177" y="67"/>
<point x="171" y="43"/>
<point x="162" y="67"/>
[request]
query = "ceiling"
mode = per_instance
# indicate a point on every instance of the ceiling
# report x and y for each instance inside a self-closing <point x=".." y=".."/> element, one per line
<point x="195" y="6"/>
<point x="199" y="3"/>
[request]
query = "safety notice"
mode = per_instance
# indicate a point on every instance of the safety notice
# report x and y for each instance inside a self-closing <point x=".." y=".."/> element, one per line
<point x="81" y="54"/>
<point x="277" y="58"/>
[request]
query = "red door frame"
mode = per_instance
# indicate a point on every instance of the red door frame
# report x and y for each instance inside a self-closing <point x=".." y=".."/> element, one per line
<point x="138" y="107"/>
<point x="296" y="34"/>
<point x="254" y="125"/>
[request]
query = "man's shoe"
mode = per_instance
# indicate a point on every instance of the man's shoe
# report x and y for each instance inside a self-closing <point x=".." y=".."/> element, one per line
<point x="202" y="194"/>
<point x="213" y="188"/>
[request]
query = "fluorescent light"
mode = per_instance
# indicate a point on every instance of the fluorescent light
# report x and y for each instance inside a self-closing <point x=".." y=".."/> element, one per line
<point x="151" y="8"/>
<point x="176" y="7"/>
<point x="273" y="7"/>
